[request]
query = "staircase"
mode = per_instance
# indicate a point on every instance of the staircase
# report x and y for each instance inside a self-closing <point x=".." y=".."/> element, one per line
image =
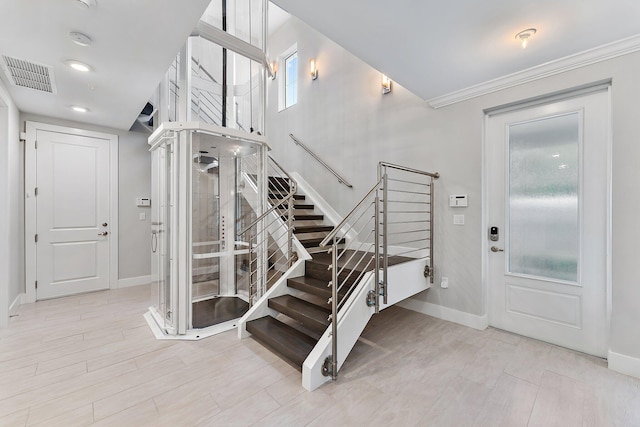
<point x="300" y="320"/>
<point x="301" y="316"/>
<point x="337" y="277"/>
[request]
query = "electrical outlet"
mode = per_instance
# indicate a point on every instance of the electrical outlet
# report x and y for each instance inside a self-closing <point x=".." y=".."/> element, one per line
<point x="444" y="282"/>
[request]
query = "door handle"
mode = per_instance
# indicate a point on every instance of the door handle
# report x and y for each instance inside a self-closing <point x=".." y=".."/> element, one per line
<point x="104" y="224"/>
<point x="496" y="249"/>
<point x="104" y="233"/>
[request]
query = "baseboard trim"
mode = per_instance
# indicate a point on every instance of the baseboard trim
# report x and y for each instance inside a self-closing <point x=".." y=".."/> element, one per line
<point x="15" y="305"/>
<point x="624" y="364"/>
<point x="446" y="313"/>
<point x="134" y="281"/>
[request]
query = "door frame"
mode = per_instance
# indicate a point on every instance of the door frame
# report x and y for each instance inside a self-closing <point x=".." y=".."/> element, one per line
<point x="599" y="86"/>
<point x="30" y="205"/>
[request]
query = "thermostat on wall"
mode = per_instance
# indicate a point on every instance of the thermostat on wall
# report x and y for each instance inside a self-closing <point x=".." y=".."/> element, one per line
<point x="458" y="201"/>
<point x="143" y="201"/>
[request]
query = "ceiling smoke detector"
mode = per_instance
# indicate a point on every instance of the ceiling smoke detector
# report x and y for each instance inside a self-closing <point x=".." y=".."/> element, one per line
<point x="80" y="39"/>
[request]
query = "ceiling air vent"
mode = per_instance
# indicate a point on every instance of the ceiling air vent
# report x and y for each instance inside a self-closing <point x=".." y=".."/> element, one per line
<point x="29" y="74"/>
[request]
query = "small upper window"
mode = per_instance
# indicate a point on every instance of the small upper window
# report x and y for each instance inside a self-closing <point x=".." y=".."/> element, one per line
<point x="291" y="80"/>
<point x="288" y="84"/>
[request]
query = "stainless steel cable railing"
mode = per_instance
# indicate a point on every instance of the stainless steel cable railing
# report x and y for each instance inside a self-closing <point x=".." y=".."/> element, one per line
<point x="269" y="236"/>
<point x="394" y="220"/>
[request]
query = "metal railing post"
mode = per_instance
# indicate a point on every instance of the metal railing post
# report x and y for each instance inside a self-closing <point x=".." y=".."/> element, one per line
<point x="376" y="225"/>
<point x="251" y="283"/>
<point x="385" y="254"/>
<point x="290" y="232"/>
<point x="431" y="200"/>
<point x="334" y="309"/>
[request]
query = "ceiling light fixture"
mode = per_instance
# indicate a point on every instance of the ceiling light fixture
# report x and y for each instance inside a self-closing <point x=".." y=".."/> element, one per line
<point x="80" y="39"/>
<point x="87" y="4"/>
<point x="78" y="66"/>
<point x="523" y="36"/>
<point x="79" y="109"/>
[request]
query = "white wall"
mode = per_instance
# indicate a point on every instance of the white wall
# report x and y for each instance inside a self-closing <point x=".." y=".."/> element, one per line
<point x="134" y="179"/>
<point x="11" y="270"/>
<point x="348" y="122"/>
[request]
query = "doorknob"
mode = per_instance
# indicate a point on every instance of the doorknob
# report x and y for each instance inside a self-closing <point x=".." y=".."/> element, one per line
<point x="104" y="224"/>
<point x="104" y="233"/>
<point x="496" y="249"/>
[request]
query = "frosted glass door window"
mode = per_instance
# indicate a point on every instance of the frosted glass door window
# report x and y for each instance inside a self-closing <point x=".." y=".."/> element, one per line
<point x="543" y="207"/>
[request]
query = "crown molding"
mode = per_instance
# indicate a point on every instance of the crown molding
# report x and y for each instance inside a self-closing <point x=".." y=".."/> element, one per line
<point x="578" y="60"/>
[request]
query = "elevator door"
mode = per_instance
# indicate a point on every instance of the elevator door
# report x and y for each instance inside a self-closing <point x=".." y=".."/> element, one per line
<point x="206" y="226"/>
<point x="214" y="297"/>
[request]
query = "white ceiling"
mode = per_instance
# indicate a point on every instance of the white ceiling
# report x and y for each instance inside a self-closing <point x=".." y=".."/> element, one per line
<point x="134" y="42"/>
<point x="437" y="47"/>
<point x="431" y="48"/>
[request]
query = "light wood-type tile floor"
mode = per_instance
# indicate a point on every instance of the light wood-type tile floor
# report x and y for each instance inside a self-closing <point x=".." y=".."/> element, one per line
<point x="92" y="360"/>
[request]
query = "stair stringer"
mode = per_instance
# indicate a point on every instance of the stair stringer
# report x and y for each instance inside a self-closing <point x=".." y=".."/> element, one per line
<point x="404" y="281"/>
<point x="261" y="308"/>
<point x="330" y="214"/>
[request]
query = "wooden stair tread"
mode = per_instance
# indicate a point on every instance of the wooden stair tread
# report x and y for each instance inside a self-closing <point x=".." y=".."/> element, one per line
<point x="301" y="229"/>
<point x="311" y="285"/>
<point x="296" y="201"/>
<point x="291" y="344"/>
<point x="281" y="195"/>
<point x="306" y="217"/>
<point x="314" y="242"/>
<point x="309" y="315"/>
<point x="298" y="206"/>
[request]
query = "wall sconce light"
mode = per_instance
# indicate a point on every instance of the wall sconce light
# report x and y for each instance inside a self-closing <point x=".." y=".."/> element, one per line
<point x="312" y="69"/>
<point x="274" y="67"/>
<point x="386" y="84"/>
<point x="524" y="35"/>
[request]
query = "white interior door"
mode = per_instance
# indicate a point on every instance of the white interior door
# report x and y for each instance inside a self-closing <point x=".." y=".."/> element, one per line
<point x="547" y="189"/>
<point x="73" y="221"/>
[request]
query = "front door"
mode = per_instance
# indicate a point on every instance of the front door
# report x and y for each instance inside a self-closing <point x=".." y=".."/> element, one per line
<point x="73" y="222"/>
<point x="547" y="193"/>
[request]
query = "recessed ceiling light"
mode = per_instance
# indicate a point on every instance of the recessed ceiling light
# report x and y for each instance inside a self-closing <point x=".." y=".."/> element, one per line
<point x="78" y="66"/>
<point x="79" y="109"/>
<point x="80" y="39"/>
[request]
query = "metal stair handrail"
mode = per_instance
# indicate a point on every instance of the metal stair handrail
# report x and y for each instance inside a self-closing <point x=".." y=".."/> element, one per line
<point x="361" y="242"/>
<point x="341" y="180"/>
